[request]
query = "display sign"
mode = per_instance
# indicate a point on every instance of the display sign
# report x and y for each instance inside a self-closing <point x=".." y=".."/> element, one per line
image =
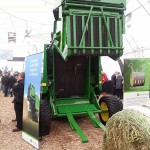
<point x="11" y="37"/>
<point x="136" y="81"/>
<point x="33" y="74"/>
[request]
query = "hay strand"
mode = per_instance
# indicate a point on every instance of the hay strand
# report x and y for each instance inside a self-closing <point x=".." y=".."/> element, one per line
<point x="127" y="130"/>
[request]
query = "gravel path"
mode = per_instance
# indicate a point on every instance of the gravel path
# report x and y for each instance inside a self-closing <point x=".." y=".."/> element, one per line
<point x="60" y="138"/>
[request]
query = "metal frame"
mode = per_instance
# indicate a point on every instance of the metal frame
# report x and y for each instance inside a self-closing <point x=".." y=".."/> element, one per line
<point x="90" y="11"/>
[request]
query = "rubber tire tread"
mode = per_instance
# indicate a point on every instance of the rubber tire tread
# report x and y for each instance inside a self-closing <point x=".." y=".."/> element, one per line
<point x="44" y="118"/>
<point x="114" y="105"/>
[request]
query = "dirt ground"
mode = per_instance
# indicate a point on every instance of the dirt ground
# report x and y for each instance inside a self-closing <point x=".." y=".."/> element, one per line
<point x="60" y="138"/>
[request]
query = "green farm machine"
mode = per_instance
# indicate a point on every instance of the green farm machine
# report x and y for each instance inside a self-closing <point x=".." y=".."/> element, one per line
<point x="84" y="30"/>
<point x="33" y="99"/>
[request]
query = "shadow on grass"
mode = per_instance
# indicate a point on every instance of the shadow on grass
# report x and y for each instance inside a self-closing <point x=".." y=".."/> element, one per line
<point x="29" y="126"/>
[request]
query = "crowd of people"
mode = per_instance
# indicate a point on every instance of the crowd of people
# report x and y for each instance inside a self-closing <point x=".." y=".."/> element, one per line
<point x="115" y="85"/>
<point x="7" y="81"/>
<point x="12" y="84"/>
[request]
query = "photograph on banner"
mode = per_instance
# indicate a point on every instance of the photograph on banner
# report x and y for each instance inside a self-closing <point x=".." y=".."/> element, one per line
<point x="33" y="74"/>
<point x="136" y="81"/>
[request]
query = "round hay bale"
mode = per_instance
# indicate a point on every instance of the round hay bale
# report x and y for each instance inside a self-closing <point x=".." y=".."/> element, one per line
<point x="128" y="130"/>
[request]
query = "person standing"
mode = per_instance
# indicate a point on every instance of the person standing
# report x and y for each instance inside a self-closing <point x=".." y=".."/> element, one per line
<point x="104" y="77"/>
<point x="119" y="85"/>
<point x="113" y="81"/>
<point x="12" y="81"/>
<point x="104" y="81"/>
<point x="2" y="83"/>
<point x="6" y="84"/>
<point x="18" y="91"/>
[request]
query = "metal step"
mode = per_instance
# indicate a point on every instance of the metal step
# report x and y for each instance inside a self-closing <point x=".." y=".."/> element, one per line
<point x="82" y="108"/>
<point x="69" y="102"/>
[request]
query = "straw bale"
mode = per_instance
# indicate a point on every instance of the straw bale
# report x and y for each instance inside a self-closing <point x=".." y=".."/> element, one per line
<point x="128" y="130"/>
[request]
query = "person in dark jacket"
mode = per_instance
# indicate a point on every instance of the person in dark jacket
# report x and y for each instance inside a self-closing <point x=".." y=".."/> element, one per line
<point x="2" y="83"/>
<point x="12" y="81"/>
<point x="6" y="84"/>
<point x="119" y="85"/>
<point x="113" y="81"/>
<point x="18" y="91"/>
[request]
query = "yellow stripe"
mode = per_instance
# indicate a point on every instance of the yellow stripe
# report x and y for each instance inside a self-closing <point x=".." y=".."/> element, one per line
<point x="43" y="84"/>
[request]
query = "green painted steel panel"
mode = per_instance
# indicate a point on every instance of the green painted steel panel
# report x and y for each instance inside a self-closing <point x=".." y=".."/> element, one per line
<point x="76" y="108"/>
<point x="67" y="102"/>
<point x="83" y="18"/>
<point x="82" y="41"/>
<point x="75" y="126"/>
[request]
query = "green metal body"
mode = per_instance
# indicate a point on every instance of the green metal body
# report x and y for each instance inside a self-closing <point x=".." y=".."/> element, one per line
<point x="72" y="63"/>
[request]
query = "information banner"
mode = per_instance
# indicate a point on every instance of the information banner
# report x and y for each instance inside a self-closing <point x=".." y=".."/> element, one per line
<point x="136" y="81"/>
<point x="33" y="75"/>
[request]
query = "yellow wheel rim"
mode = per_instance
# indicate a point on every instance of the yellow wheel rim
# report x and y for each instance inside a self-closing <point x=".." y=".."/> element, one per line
<point x="104" y="107"/>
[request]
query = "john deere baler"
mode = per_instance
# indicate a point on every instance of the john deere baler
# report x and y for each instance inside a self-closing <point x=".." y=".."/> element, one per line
<point x="84" y="30"/>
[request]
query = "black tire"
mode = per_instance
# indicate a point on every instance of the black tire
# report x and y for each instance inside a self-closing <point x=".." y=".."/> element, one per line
<point x="44" y="118"/>
<point x="113" y="104"/>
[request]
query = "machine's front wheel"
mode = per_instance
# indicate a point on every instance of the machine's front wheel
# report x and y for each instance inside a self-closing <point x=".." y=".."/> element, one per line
<point x="111" y="105"/>
<point x="44" y="118"/>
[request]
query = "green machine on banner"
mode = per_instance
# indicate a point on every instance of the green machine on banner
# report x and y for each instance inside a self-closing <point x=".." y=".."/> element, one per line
<point x="33" y="75"/>
<point x="136" y="81"/>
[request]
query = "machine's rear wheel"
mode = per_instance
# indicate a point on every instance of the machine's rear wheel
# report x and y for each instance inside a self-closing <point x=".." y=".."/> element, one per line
<point x="44" y="118"/>
<point x="111" y="104"/>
